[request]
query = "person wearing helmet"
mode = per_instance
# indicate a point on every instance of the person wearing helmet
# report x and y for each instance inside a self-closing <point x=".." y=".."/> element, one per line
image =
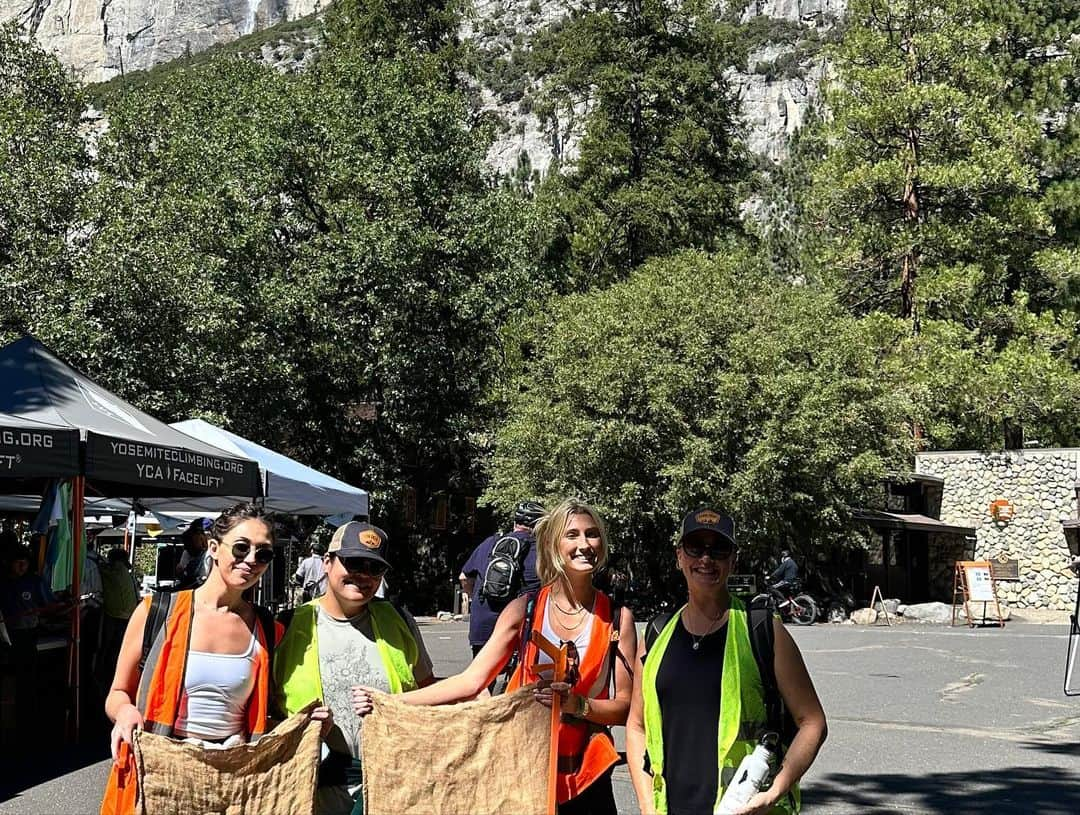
<point x="311" y="574"/>
<point x="483" y="611"/>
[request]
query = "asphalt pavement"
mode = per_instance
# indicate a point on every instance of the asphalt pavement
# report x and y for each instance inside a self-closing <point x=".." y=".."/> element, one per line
<point x="922" y="719"/>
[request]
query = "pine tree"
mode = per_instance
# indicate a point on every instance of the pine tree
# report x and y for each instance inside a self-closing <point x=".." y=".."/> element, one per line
<point x="659" y="156"/>
<point x="928" y="198"/>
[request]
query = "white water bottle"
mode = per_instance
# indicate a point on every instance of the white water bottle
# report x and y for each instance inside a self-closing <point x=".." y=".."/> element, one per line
<point x="751" y="776"/>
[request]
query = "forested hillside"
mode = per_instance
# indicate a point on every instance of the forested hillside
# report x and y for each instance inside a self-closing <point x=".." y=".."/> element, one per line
<point x="325" y="261"/>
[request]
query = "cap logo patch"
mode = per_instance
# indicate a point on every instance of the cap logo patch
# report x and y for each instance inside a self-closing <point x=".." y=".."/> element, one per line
<point x="707" y="517"/>
<point x="370" y="539"/>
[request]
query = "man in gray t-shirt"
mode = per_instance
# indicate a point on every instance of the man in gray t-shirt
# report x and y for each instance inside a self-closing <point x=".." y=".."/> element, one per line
<point x="349" y="656"/>
<point x="341" y="625"/>
<point x="311" y="573"/>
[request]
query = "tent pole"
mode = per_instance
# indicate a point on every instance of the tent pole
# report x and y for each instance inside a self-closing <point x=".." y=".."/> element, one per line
<point x="78" y="497"/>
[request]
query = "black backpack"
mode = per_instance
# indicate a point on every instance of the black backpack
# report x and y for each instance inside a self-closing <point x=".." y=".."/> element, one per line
<point x="505" y="570"/>
<point x="762" y="642"/>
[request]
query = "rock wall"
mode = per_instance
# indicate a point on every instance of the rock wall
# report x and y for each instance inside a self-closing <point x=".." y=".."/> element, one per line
<point x="773" y="106"/>
<point x="1042" y="487"/>
<point x="99" y="39"/>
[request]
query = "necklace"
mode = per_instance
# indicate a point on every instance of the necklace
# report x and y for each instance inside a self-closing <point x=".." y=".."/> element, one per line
<point x="580" y="609"/>
<point x="713" y="623"/>
<point x="581" y="616"/>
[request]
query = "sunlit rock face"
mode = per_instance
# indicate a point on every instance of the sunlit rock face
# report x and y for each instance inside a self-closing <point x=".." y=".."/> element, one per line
<point x="99" y="39"/>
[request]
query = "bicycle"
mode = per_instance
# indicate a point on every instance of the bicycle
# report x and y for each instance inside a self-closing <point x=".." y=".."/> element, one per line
<point x="794" y="606"/>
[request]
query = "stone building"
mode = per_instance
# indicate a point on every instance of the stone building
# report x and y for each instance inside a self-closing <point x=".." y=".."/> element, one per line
<point x="908" y="550"/>
<point x="1024" y="506"/>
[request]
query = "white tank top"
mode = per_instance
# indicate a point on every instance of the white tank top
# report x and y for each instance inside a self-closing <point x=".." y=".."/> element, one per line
<point x="581" y="640"/>
<point x="216" y="690"/>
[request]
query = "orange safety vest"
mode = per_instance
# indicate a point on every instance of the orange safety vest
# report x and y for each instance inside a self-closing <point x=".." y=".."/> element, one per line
<point x="586" y="750"/>
<point x="160" y="704"/>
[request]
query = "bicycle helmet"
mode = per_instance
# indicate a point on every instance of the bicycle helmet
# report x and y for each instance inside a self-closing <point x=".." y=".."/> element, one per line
<point x="527" y="513"/>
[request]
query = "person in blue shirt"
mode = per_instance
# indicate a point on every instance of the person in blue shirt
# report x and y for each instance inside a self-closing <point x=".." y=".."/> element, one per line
<point x="786" y="575"/>
<point x="25" y="597"/>
<point x="482" y="612"/>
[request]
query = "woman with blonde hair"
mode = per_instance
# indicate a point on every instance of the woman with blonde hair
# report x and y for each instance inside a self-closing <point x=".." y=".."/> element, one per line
<point x="572" y="547"/>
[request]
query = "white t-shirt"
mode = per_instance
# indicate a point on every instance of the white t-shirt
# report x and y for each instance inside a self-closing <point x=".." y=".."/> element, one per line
<point x="310" y="572"/>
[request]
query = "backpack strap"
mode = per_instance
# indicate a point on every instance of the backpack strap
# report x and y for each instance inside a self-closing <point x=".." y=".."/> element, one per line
<point x="266" y="620"/>
<point x="523" y="638"/>
<point x="156" y="617"/>
<point x="614" y="652"/>
<point x="763" y="644"/>
<point x="655" y="626"/>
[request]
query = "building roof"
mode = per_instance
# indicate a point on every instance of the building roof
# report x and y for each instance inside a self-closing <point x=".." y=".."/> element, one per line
<point x="910" y="520"/>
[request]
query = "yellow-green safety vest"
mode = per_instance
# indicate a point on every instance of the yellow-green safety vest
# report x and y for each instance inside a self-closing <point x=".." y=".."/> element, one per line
<point x="742" y="709"/>
<point x="297" y="678"/>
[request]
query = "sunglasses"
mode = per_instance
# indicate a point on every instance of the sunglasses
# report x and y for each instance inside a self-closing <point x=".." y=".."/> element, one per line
<point x="716" y="551"/>
<point x="263" y="554"/>
<point x="364" y="565"/>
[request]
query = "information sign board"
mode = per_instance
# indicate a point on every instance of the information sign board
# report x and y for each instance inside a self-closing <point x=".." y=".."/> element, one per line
<point x="979" y="582"/>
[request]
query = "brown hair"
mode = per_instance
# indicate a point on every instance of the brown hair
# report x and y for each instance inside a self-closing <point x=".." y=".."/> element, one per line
<point x="236" y="515"/>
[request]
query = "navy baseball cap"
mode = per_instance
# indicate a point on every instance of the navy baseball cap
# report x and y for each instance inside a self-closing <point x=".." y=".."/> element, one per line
<point x="356" y="539"/>
<point x="708" y="520"/>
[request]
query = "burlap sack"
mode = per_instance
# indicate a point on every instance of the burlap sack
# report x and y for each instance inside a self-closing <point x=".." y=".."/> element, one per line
<point x="478" y="758"/>
<point x="275" y="776"/>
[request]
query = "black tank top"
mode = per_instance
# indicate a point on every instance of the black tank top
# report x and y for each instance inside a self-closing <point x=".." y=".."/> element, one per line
<point x="688" y="686"/>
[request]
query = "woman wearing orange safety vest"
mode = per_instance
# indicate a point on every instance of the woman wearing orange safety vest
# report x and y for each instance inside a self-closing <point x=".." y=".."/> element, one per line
<point x="571" y="548"/>
<point x="207" y="674"/>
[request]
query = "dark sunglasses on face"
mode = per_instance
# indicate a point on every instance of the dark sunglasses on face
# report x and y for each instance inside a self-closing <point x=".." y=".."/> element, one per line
<point x="263" y="554"/>
<point x="716" y="551"/>
<point x="363" y="565"/>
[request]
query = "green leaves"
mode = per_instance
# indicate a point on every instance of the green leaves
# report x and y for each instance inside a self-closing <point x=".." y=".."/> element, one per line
<point x="698" y="379"/>
<point x="658" y="158"/>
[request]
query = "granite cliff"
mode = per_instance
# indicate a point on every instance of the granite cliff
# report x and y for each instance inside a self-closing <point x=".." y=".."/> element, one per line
<point x="100" y="39"/>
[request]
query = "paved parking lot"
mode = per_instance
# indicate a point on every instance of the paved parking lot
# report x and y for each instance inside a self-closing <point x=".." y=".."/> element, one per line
<point x="922" y="719"/>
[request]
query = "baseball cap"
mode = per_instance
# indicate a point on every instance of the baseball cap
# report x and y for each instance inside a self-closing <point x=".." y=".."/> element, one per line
<point x="357" y="539"/>
<point x="709" y="520"/>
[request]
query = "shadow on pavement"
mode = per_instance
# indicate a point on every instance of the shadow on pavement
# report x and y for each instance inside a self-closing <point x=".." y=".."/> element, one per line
<point x="29" y="768"/>
<point x="1055" y="748"/>
<point x="1007" y="791"/>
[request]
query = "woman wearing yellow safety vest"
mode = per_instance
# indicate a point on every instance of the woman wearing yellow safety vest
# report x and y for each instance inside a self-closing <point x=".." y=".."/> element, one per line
<point x="698" y="706"/>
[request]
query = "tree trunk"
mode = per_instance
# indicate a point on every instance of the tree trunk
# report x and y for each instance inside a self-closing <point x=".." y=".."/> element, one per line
<point x="909" y="269"/>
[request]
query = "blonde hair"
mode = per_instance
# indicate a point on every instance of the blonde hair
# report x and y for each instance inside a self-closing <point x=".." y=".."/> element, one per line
<point x="549" y="531"/>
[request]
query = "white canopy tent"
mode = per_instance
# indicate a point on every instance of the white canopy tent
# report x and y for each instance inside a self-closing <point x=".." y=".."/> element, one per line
<point x="289" y="487"/>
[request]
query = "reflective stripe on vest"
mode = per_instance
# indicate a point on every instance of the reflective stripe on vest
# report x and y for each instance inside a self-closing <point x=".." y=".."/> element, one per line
<point x="742" y="709"/>
<point x="297" y="676"/>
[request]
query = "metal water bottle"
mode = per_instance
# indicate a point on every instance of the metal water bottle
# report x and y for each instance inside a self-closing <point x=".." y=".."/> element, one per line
<point x="751" y="777"/>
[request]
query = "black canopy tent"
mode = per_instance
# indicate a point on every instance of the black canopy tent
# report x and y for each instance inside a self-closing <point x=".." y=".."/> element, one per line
<point x="127" y="452"/>
<point x="32" y="452"/>
<point x="120" y="451"/>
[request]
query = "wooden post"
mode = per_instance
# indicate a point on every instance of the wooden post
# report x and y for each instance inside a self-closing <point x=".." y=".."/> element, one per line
<point x="78" y="496"/>
<point x="563" y="669"/>
<point x="959" y="588"/>
<point x="877" y="596"/>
